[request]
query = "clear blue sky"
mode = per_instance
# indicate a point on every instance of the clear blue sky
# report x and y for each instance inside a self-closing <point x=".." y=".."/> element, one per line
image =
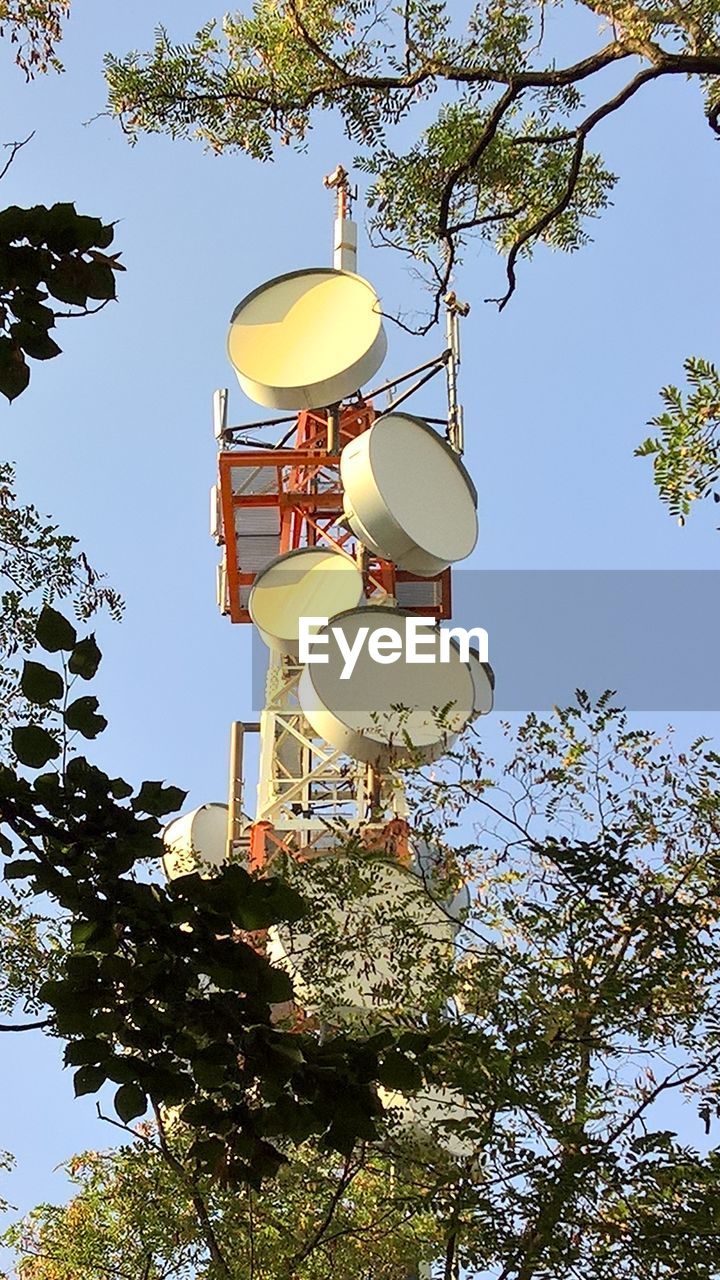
<point x="114" y="438"/>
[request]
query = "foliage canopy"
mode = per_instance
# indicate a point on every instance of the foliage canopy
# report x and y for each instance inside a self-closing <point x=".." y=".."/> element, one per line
<point x="686" y="452"/>
<point x="162" y="991"/>
<point x="581" y="1031"/>
<point x="34" y="28"/>
<point x="499" y="118"/>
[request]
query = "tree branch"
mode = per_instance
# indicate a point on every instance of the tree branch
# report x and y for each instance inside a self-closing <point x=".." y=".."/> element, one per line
<point x="198" y="1202"/>
<point x="25" y="1026"/>
<point x="558" y="208"/>
<point x="347" y="1176"/>
<point x="14" y="147"/>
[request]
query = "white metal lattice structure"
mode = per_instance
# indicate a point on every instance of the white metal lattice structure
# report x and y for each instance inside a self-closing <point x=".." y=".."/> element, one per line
<point x="312" y="797"/>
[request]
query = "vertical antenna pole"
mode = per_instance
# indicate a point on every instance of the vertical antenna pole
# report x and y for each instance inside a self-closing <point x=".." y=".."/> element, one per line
<point x="345" y="230"/>
<point x="235" y="785"/>
<point x="236" y="782"/>
<point x="333" y="436"/>
<point x="344" y="259"/>
<point x="454" y="309"/>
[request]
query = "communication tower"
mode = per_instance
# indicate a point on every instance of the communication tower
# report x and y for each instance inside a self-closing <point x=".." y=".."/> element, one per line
<point x="356" y="515"/>
<point x="349" y="510"/>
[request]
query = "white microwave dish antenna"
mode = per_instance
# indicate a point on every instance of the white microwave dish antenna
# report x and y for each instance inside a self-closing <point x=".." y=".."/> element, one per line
<point x="430" y="1119"/>
<point x="196" y="841"/>
<point x="386" y="713"/>
<point x="371" y="967"/>
<point x="308" y="339"/>
<point x="310" y="582"/>
<point x="484" y="681"/>
<point x="429" y="863"/>
<point x="408" y="496"/>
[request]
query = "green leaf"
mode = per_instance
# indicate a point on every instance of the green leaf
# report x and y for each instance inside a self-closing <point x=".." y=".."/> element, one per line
<point x="157" y="800"/>
<point x="130" y="1102"/>
<point x="85" y="659"/>
<point x="68" y="282"/>
<point x="34" y="746"/>
<point x="88" y="1080"/>
<point x="81" y="1053"/>
<point x="14" y="372"/>
<point x="35" y="340"/>
<point x="647" y="447"/>
<point x="40" y="684"/>
<point x="397" y="1071"/>
<point x="20" y="869"/>
<point x="53" y="632"/>
<point x="82" y="715"/>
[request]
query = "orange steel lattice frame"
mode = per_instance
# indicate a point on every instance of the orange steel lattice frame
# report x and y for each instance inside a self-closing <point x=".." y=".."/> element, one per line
<point x="307" y="494"/>
<point x="391" y="838"/>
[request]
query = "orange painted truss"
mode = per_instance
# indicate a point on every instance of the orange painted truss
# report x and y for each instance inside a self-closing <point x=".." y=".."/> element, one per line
<point x="275" y="500"/>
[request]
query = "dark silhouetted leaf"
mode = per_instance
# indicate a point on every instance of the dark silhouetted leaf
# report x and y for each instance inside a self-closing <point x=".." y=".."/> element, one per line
<point x="82" y="716"/>
<point x="397" y="1071"/>
<point x="130" y="1102"/>
<point x="34" y="746"/>
<point x="88" y="1080"/>
<point x="35" y="341"/>
<point x="21" y="869"/>
<point x="53" y="632"/>
<point x="14" y="372"/>
<point x="85" y="659"/>
<point x="157" y="800"/>
<point x="40" y="684"/>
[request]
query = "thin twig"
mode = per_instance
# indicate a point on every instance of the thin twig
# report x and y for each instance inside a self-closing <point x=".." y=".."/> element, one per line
<point x="543" y="222"/>
<point x="84" y="311"/>
<point x="14" y="148"/>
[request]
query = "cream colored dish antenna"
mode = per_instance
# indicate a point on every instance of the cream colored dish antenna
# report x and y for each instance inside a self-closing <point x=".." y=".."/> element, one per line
<point x="308" y="339"/>
<point x="349" y="953"/>
<point x="484" y="681"/>
<point x="429" y="1119"/>
<point x="386" y="712"/>
<point x="196" y="841"/>
<point x="311" y="582"/>
<point x="407" y="495"/>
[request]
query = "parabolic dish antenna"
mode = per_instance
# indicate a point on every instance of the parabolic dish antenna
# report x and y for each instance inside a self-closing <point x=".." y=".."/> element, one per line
<point x="429" y="863"/>
<point x="430" y="1119"/>
<point x="311" y="582"/>
<point x="196" y="841"/>
<point x="484" y="681"/>
<point x="308" y="339"/>
<point x="367" y="946"/>
<point x="407" y="495"/>
<point x="386" y="713"/>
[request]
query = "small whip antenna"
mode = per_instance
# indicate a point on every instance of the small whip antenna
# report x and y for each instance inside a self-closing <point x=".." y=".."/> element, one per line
<point x="454" y="310"/>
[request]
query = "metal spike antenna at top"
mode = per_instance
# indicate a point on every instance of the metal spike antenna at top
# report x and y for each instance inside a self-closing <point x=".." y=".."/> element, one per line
<point x="339" y="180"/>
<point x="345" y="229"/>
